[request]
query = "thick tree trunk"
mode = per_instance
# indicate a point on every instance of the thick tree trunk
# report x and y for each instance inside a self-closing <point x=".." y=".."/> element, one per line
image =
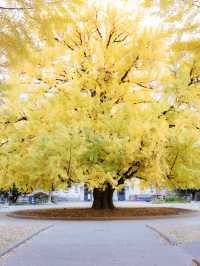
<point x="103" y="199"/>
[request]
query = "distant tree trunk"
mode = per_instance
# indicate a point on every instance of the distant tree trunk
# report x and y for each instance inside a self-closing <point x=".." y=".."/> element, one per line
<point x="13" y="199"/>
<point x="13" y="194"/>
<point x="50" y="197"/>
<point x="193" y="195"/>
<point x="103" y="199"/>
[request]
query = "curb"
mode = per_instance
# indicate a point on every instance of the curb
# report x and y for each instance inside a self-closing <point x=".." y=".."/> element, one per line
<point x="125" y="218"/>
<point x="167" y="239"/>
<point x="10" y="249"/>
<point x="171" y="242"/>
<point x="17" y="215"/>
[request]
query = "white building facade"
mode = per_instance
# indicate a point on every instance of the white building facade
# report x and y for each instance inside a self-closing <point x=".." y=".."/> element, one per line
<point x="131" y="191"/>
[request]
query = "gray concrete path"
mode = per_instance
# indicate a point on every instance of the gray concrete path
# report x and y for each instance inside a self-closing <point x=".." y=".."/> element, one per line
<point x="193" y="249"/>
<point x="100" y="243"/>
<point x="108" y="243"/>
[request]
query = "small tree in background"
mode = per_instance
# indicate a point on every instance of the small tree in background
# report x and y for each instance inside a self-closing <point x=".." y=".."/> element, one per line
<point x="13" y="194"/>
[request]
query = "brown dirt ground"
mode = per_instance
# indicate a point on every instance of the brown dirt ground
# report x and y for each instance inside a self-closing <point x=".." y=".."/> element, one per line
<point x="92" y="214"/>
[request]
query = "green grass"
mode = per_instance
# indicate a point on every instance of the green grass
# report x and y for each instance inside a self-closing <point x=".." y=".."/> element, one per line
<point x="171" y="199"/>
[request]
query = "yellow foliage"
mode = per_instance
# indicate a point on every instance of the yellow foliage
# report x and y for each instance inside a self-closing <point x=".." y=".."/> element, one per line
<point x="98" y="94"/>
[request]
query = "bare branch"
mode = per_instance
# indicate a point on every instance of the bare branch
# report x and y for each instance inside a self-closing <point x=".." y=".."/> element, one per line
<point x="143" y="86"/>
<point x="99" y="33"/>
<point x="110" y="37"/>
<point x="70" y="158"/>
<point x="193" y="79"/>
<point x="169" y="176"/>
<point x="129" y="69"/>
<point x="122" y="39"/>
<point x="62" y="80"/>
<point x="130" y="172"/>
<point x="80" y="37"/>
<point x="3" y="143"/>
<point x="69" y="46"/>
<point x="171" y="109"/>
<point x="62" y="179"/>
<point x="191" y="75"/>
<point x="23" y="118"/>
<point x="142" y="102"/>
<point x="140" y="177"/>
<point x="119" y="100"/>
<point x="97" y="28"/>
<point x="119" y="36"/>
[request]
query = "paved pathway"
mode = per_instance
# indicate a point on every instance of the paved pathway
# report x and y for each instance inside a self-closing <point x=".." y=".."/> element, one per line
<point x="98" y="243"/>
<point x="193" y="248"/>
<point x="124" y="243"/>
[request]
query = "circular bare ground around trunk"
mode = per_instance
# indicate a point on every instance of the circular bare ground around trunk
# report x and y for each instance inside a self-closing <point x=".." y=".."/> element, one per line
<point x="93" y="214"/>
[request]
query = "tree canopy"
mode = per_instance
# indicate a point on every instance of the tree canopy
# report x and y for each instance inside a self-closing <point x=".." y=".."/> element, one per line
<point x="99" y="93"/>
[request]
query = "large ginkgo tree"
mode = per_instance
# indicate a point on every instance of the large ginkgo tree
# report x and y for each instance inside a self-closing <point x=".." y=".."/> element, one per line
<point x="99" y="93"/>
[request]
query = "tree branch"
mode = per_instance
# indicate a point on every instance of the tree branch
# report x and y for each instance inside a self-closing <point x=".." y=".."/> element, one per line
<point x="122" y="39"/>
<point x="99" y="33"/>
<point x="130" y="172"/>
<point x="65" y="43"/>
<point x="110" y="37"/>
<point x="63" y="180"/>
<point x="97" y="28"/>
<point x="3" y="143"/>
<point x="172" y="166"/>
<point x="69" y="46"/>
<point x="171" y="109"/>
<point x="193" y="79"/>
<point x="128" y="70"/>
<point x="70" y="158"/>
<point x="79" y="36"/>
<point x="141" y="102"/>
<point x="143" y="86"/>
<point x="23" y="118"/>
